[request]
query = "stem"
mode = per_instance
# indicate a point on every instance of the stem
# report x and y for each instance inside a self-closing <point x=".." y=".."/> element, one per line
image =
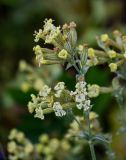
<point x="90" y="135"/>
<point x="122" y="115"/>
<point x="106" y="89"/>
<point x="100" y="53"/>
<point x="89" y="130"/>
<point x="92" y="150"/>
<point x="113" y="43"/>
<point x="77" y="121"/>
<point x="120" y="100"/>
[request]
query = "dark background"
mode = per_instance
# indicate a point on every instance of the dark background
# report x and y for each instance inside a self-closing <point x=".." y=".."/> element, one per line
<point x="18" y="20"/>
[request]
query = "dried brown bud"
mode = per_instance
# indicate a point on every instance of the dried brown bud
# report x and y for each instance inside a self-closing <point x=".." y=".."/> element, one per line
<point x="65" y="26"/>
<point x="72" y="25"/>
<point x="117" y="33"/>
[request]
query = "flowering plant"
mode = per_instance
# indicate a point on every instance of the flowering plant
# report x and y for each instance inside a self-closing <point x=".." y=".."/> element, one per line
<point x="60" y="100"/>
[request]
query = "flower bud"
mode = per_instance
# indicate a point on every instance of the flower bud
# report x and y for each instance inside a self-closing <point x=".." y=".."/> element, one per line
<point x="80" y="48"/>
<point x="91" y="53"/>
<point x="65" y="145"/>
<point x="28" y="148"/>
<point x="47" y="150"/>
<point x="39" y="148"/>
<point x="93" y="90"/>
<point x="104" y="37"/>
<point x="112" y="54"/>
<point x="22" y="65"/>
<point x="113" y="67"/>
<point x="44" y="138"/>
<point x="63" y="54"/>
<point x="25" y="86"/>
<point x="54" y="144"/>
<point x="93" y="115"/>
<point x="13" y="134"/>
<point x="20" y="137"/>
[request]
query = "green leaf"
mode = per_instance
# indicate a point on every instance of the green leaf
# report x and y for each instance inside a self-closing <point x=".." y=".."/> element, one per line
<point x="69" y="65"/>
<point x="100" y="138"/>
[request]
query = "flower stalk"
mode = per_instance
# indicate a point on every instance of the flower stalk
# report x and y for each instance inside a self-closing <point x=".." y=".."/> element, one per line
<point x="66" y="51"/>
<point x="91" y="145"/>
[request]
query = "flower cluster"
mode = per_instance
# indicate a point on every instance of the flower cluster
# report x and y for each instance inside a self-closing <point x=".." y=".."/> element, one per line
<point x="112" y="53"/>
<point x="19" y="146"/>
<point x="51" y="148"/>
<point x="59" y="99"/>
<point x="75" y="130"/>
<point x="46" y="56"/>
<point x="81" y="58"/>
<point x="59" y="112"/>
<point x="49" y="32"/>
<point x="38" y="103"/>
<point x="45" y="91"/>
<point x="81" y="96"/>
<point x="62" y="38"/>
<point x="59" y="88"/>
<point x="50" y="100"/>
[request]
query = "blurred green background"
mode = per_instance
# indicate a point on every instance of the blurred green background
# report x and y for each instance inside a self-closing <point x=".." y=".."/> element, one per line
<point x="18" y="20"/>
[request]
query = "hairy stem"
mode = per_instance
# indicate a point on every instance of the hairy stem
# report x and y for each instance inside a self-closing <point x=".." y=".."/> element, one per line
<point x="90" y="135"/>
<point x="92" y="150"/>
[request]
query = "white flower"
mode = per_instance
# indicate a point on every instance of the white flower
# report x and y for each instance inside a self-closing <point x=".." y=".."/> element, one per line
<point x="80" y="98"/>
<point x="52" y="35"/>
<point x="59" y="112"/>
<point x="50" y="31"/>
<point x="58" y="93"/>
<point x="39" y="113"/>
<point x="80" y="84"/>
<point x="48" y="26"/>
<point x="73" y="93"/>
<point x="45" y="91"/>
<point x="38" y="35"/>
<point x="81" y="87"/>
<point x="59" y="86"/>
<point x="33" y="103"/>
<point x="80" y="105"/>
<point x="87" y="105"/>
